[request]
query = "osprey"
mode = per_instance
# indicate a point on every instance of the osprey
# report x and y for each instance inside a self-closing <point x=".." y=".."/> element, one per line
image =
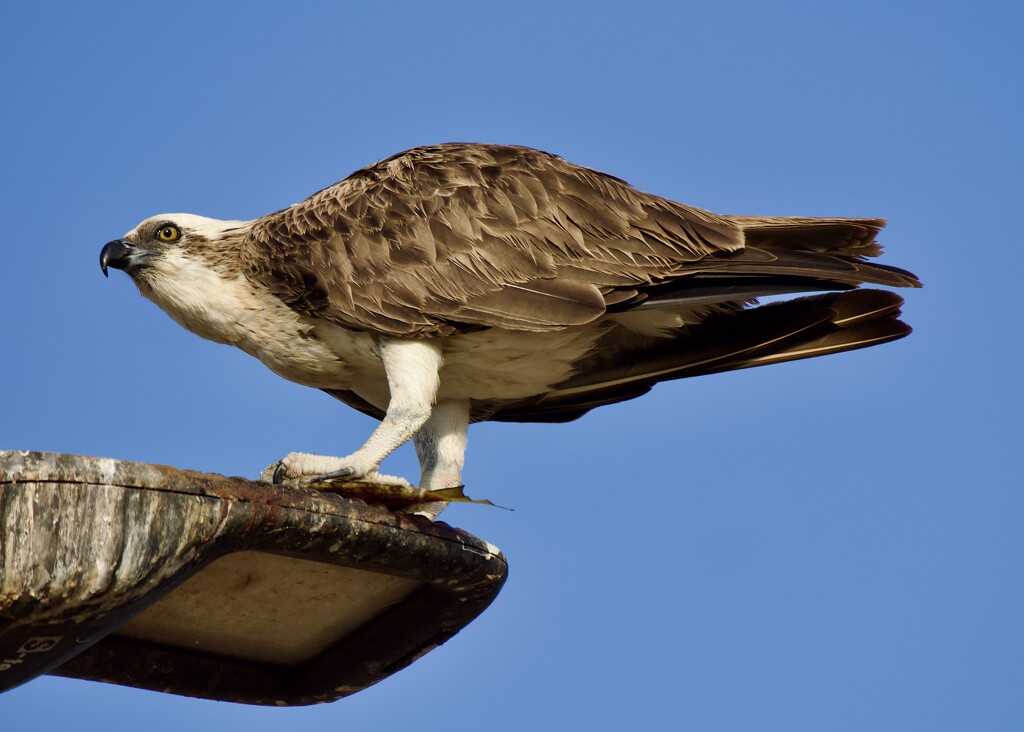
<point x="468" y="282"/>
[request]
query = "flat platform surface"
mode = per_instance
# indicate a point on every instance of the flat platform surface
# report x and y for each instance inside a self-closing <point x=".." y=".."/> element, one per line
<point x="267" y="607"/>
<point x="220" y="587"/>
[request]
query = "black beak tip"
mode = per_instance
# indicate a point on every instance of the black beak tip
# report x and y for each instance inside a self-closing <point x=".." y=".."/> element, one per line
<point x="113" y="255"/>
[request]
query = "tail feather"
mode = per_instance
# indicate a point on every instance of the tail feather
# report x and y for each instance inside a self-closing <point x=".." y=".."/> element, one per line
<point x="852" y="236"/>
<point x="815" y="268"/>
<point x="781" y="255"/>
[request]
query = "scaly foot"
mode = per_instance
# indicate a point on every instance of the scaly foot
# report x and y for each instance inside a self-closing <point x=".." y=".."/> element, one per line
<point x="296" y="467"/>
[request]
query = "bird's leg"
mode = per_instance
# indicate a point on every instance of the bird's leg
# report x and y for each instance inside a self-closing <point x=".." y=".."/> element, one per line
<point x="412" y="371"/>
<point x="441" y="449"/>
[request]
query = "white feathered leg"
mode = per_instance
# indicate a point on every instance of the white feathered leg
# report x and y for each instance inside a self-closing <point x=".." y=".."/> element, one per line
<point x="441" y="449"/>
<point x="412" y="371"/>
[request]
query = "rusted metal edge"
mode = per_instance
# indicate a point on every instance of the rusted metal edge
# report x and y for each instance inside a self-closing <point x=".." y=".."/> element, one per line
<point x="22" y="466"/>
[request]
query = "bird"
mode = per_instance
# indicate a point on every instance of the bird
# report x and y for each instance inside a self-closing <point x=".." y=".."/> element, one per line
<point x="465" y="282"/>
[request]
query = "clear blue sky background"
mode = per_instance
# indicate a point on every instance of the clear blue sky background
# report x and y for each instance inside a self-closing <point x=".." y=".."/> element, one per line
<point x="834" y="544"/>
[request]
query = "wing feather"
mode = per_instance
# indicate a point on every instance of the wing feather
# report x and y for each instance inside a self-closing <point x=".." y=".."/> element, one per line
<point x="441" y="238"/>
<point x="437" y="240"/>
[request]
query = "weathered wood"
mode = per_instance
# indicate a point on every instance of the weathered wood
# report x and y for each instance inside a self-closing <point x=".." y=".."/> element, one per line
<point x="352" y="592"/>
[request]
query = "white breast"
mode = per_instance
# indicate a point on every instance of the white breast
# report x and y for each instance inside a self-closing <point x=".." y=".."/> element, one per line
<point x="232" y="311"/>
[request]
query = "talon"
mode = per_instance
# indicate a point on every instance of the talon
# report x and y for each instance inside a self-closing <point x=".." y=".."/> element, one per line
<point x="340" y="473"/>
<point x="279" y="473"/>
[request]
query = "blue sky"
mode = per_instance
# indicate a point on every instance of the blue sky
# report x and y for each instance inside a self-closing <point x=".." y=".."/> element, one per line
<point x="833" y="544"/>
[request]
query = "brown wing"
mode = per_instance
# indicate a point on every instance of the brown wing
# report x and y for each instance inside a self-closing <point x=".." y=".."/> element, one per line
<point x="451" y="237"/>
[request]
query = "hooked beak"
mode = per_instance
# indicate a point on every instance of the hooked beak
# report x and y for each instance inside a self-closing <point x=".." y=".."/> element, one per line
<point x="116" y="254"/>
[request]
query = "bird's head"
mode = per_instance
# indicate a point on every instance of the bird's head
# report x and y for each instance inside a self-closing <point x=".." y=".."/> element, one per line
<point x="161" y="238"/>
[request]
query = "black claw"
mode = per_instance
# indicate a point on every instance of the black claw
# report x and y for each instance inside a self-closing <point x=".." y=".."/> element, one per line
<point x="340" y="473"/>
<point x="279" y="471"/>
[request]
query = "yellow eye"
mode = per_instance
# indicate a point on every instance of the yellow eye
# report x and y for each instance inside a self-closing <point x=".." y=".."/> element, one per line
<point x="168" y="232"/>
